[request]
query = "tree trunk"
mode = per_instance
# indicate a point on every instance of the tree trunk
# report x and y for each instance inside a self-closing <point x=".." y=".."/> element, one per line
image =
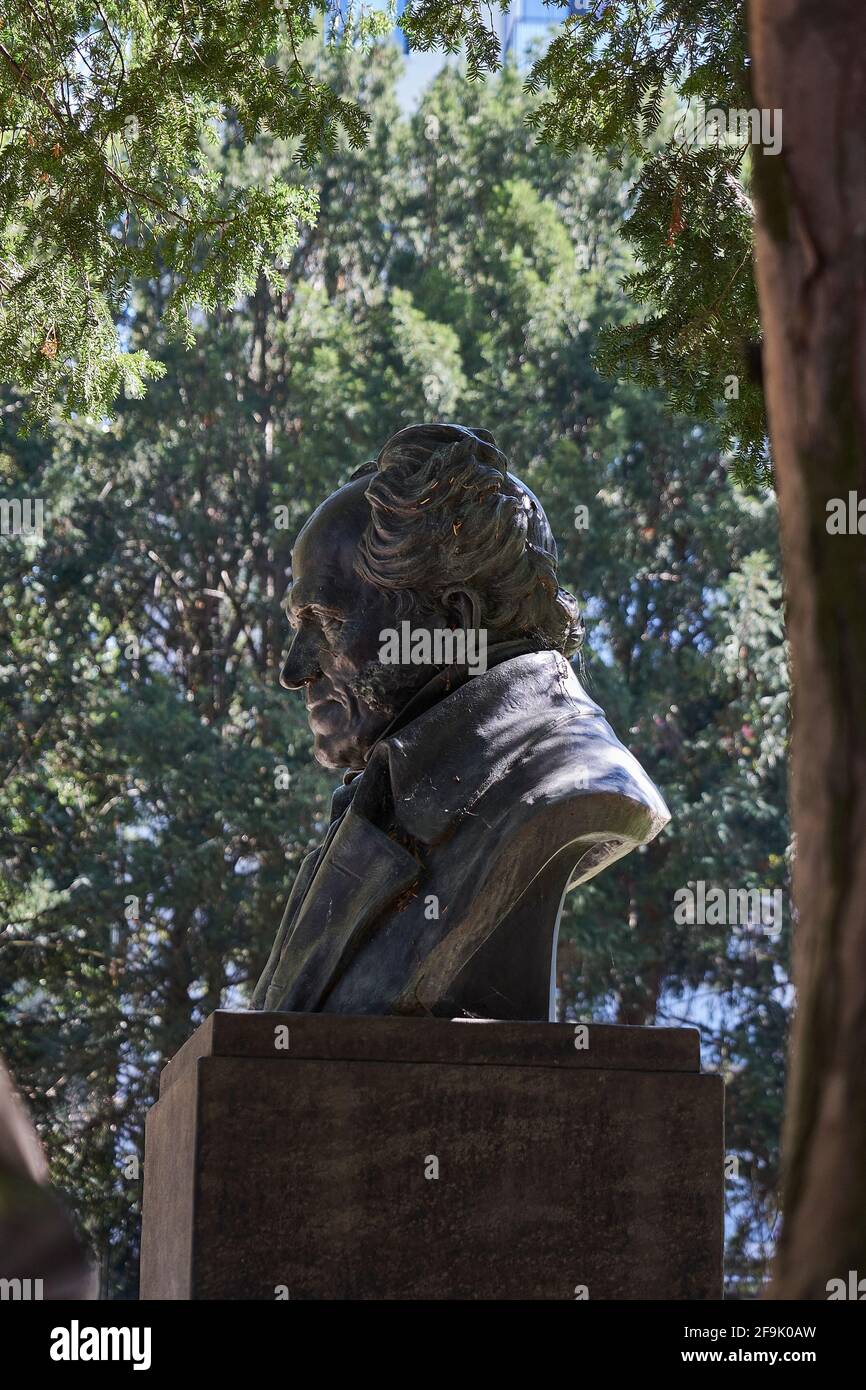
<point x="810" y="62"/>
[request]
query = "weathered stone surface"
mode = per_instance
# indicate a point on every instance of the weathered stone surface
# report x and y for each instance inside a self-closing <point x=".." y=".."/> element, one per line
<point x="344" y="1038"/>
<point x="304" y="1169"/>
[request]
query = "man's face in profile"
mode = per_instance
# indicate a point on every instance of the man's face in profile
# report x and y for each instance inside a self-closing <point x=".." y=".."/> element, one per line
<point x="338" y="617"/>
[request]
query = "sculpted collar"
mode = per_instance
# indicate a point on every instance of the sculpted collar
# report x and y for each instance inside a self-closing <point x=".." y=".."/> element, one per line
<point x="438" y="764"/>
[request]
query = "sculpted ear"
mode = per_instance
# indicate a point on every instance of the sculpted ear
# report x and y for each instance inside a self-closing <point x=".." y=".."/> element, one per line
<point x="462" y="607"/>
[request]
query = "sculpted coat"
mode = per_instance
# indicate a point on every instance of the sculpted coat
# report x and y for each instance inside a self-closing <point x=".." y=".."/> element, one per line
<point x="438" y="887"/>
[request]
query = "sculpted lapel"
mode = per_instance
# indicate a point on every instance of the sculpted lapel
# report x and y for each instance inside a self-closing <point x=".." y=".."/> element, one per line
<point x="361" y="872"/>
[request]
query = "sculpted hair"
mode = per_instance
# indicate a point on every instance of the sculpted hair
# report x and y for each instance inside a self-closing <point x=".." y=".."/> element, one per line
<point x="446" y="514"/>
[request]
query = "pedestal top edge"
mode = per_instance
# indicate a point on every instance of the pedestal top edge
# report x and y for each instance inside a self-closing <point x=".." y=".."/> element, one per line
<point x="345" y="1037"/>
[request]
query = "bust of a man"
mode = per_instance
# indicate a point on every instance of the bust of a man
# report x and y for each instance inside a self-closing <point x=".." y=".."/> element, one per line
<point x="431" y="644"/>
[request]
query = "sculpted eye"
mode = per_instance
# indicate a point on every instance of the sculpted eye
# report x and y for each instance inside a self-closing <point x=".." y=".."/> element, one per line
<point x="330" y="622"/>
<point x="323" y="618"/>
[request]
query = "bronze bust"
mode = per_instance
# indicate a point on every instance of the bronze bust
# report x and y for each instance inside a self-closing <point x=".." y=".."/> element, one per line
<point x="431" y="644"/>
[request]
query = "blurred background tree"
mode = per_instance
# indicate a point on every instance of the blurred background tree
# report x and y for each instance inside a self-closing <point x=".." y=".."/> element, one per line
<point x="109" y="106"/>
<point x="156" y="786"/>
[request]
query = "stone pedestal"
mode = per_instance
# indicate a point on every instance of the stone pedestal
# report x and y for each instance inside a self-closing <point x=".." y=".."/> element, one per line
<point x="318" y="1156"/>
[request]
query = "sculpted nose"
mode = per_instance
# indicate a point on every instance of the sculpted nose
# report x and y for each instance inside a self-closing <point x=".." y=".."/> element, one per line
<point x="301" y="664"/>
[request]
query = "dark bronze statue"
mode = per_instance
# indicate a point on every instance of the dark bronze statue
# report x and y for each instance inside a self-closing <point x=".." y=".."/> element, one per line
<point x="431" y="644"/>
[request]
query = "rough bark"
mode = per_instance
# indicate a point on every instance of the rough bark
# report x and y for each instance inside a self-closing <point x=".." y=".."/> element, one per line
<point x="810" y="61"/>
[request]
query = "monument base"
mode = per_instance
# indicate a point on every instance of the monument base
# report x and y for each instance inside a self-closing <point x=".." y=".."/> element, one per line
<point x="320" y="1156"/>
